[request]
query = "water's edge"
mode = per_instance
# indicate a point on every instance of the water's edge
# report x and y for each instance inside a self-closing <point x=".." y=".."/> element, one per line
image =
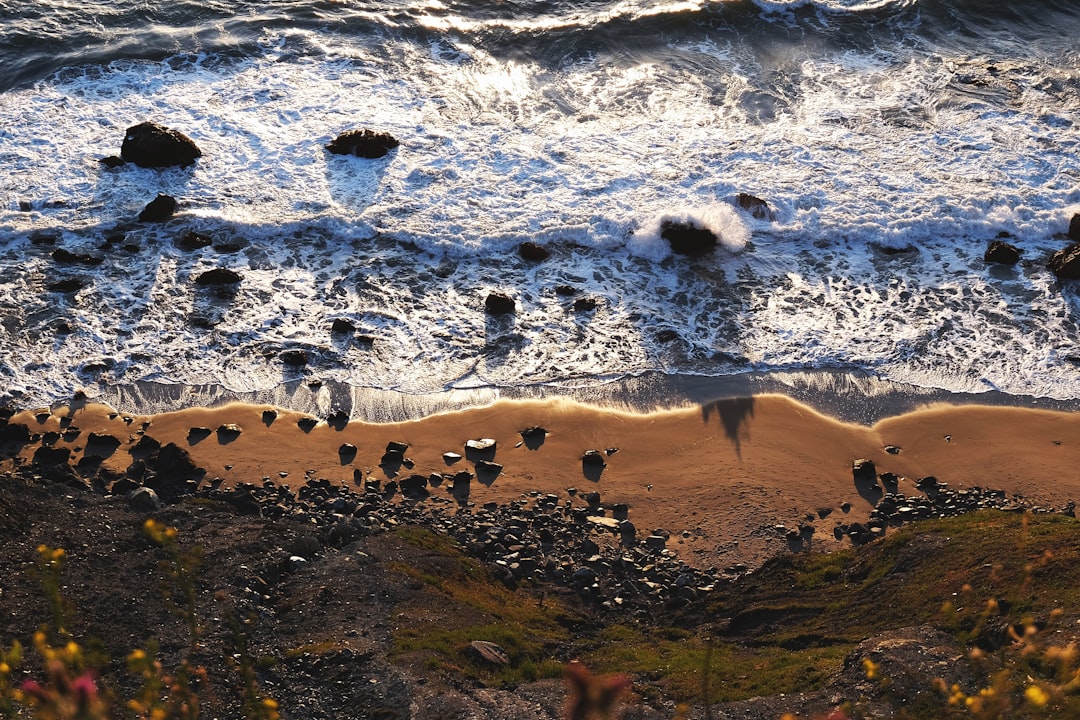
<point x="844" y="395"/>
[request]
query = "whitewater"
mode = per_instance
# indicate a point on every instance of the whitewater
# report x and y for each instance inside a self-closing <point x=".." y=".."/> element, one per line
<point x="892" y="142"/>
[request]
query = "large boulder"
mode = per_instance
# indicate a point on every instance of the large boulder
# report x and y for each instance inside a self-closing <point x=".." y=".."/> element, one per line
<point x="1065" y="264"/>
<point x="151" y="145"/>
<point x="363" y="143"/>
<point x="687" y="239"/>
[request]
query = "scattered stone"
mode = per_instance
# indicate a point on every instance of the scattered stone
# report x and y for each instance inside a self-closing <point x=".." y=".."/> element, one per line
<point x="112" y="161"/>
<point x="531" y="251"/>
<point x="363" y="144"/>
<point x="307" y="424"/>
<point x="1002" y="253"/>
<point x="1065" y="264"/>
<point x="756" y="206"/>
<point x="197" y="434"/>
<point x="481" y="445"/>
<point x="892" y="449"/>
<point x="218" y="276"/>
<point x="451" y="457"/>
<point x="347" y="453"/>
<point x="228" y="432"/>
<point x="342" y="326"/>
<point x="192" y="240"/>
<point x="687" y="239"/>
<point x="100" y="445"/>
<point x="499" y="304"/>
<point x="144" y="499"/>
<point x="66" y="257"/>
<point x="864" y="471"/>
<point x="67" y="285"/>
<point x="151" y="145"/>
<point x="1074" y="227"/>
<point x="593" y="458"/>
<point x="159" y="209"/>
<point x="294" y="357"/>
<point x="585" y="304"/>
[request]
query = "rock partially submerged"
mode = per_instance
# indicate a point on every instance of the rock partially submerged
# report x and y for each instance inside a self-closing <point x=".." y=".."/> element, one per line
<point x="1002" y="253"/>
<point x="363" y="143"/>
<point x="159" y="209"/>
<point x="151" y="145"/>
<point x="687" y="239"/>
<point x="1065" y="264"/>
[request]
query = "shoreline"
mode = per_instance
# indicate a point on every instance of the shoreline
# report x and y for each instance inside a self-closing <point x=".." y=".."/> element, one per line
<point x="848" y="396"/>
<point x="727" y="479"/>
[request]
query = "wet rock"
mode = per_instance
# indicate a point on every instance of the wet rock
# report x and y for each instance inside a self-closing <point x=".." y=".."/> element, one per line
<point x="363" y="144"/>
<point x="531" y="251"/>
<point x="67" y="257"/>
<point x="499" y="304"/>
<point x="1074" y="228"/>
<point x="342" y="326"/>
<point x="151" y="145"/>
<point x="756" y="206"/>
<point x="687" y="239"/>
<point x="112" y="161"/>
<point x="1065" y="264"/>
<point x="1002" y="253"/>
<point x="294" y="357"/>
<point x="67" y="285"/>
<point x="192" y="240"/>
<point x="585" y="304"/>
<point x="159" y="209"/>
<point x="218" y="276"/>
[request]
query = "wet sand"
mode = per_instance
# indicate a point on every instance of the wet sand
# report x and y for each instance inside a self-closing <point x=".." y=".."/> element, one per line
<point x="719" y="477"/>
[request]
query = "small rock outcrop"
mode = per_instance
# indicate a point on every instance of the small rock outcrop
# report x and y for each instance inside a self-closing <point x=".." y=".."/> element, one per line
<point x="531" y="251"/>
<point x="1065" y="264"/>
<point x="159" y="209"/>
<point x="686" y="239"/>
<point x="499" y="304"/>
<point x="1002" y="253"/>
<point x="218" y="276"/>
<point x="151" y="145"/>
<point x="363" y="143"/>
<point x="755" y="206"/>
<point x="1074" y="228"/>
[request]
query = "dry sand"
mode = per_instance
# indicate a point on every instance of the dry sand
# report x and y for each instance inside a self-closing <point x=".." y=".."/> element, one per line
<point x="719" y="477"/>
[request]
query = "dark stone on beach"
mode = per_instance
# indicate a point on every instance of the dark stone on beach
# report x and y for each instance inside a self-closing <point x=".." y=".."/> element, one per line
<point x="159" y="209"/>
<point x="192" y="240"/>
<point x="1074" y="228"/>
<point x="398" y="447"/>
<point x="565" y="290"/>
<point x="499" y="304"/>
<point x="488" y="470"/>
<point x="686" y="239"/>
<point x="531" y="251"/>
<point x="144" y="499"/>
<point x="307" y="424"/>
<point x="46" y="456"/>
<point x="363" y="143"/>
<point x="296" y="358"/>
<point x="112" y="161"/>
<point x="342" y="326"/>
<point x="228" y="432"/>
<point x="269" y="416"/>
<point x="863" y="470"/>
<point x="338" y="420"/>
<point x="414" y="486"/>
<point x="151" y="145"/>
<point x="1002" y="253"/>
<point x="67" y="285"/>
<point x="756" y="206"/>
<point x="593" y="458"/>
<point x="67" y="257"/>
<point x="585" y="304"/>
<point x="347" y="453"/>
<point x="1065" y="264"/>
<point x="218" y="276"/>
<point x="100" y="445"/>
<point x="197" y="434"/>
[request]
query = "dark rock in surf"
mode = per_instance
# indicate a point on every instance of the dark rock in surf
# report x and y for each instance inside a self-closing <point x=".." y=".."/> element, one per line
<point x="294" y="358"/>
<point x="1002" y="253"/>
<point x="218" y="276"/>
<point x="532" y="251"/>
<point x="151" y="145"/>
<point x="1074" y="228"/>
<point x="1065" y="264"/>
<point x="67" y="285"/>
<point x="159" y="209"/>
<point x="499" y="304"/>
<point x="67" y="257"/>
<point x="194" y="241"/>
<point x="686" y="239"/>
<point x="342" y="326"/>
<point x="755" y="206"/>
<point x="363" y="143"/>
<point x="585" y="304"/>
<point x="112" y="161"/>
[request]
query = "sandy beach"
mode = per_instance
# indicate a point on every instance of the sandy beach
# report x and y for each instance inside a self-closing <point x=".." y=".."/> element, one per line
<point x="719" y="477"/>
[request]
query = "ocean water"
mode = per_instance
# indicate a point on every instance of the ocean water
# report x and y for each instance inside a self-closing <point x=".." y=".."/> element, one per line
<point x="892" y="139"/>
